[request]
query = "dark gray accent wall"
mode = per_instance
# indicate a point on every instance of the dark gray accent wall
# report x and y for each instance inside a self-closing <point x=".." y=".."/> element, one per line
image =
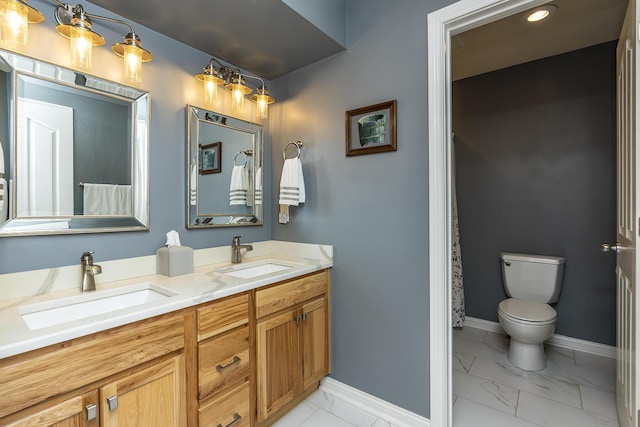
<point x="535" y="163"/>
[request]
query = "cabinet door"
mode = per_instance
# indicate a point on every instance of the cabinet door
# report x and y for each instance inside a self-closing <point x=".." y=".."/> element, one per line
<point x="153" y="396"/>
<point x="315" y="341"/>
<point x="278" y="361"/>
<point x="78" y="411"/>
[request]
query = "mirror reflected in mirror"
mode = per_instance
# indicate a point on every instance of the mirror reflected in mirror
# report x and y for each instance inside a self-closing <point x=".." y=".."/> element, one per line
<point x="78" y="155"/>
<point x="224" y="170"/>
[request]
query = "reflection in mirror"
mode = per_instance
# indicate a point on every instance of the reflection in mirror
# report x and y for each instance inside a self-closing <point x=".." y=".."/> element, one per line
<point x="79" y="151"/>
<point x="224" y="168"/>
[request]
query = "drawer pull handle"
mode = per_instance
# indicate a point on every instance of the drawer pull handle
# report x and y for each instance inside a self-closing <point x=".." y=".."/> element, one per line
<point x="112" y="402"/>
<point x="298" y="318"/>
<point x="92" y="412"/>
<point x="236" y="420"/>
<point x="221" y="368"/>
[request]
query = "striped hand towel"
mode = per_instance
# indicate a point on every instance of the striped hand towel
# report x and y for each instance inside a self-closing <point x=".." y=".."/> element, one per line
<point x="238" y="186"/>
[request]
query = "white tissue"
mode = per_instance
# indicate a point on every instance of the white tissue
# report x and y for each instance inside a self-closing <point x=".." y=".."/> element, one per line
<point x="173" y="239"/>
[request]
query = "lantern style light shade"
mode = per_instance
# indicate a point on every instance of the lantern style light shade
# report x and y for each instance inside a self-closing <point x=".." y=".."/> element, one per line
<point x="82" y="37"/>
<point x="133" y="55"/>
<point x="238" y="89"/>
<point x="210" y="80"/>
<point x="262" y="100"/>
<point x="15" y="15"/>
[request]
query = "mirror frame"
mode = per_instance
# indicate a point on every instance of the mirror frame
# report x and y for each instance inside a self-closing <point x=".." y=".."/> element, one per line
<point x="195" y="116"/>
<point x="140" y="104"/>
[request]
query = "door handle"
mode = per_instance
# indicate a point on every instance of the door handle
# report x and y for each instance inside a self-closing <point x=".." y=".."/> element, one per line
<point x="606" y="247"/>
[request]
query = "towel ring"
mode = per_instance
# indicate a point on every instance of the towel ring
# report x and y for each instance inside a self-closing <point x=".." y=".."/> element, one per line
<point x="246" y="158"/>
<point x="297" y="144"/>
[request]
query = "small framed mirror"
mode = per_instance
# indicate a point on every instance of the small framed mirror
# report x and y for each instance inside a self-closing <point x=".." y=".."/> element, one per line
<point x="224" y="170"/>
<point x="76" y="151"/>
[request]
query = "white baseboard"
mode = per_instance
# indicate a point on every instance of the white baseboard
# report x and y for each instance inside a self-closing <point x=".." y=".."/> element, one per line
<point x="556" y="340"/>
<point x="389" y="412"/>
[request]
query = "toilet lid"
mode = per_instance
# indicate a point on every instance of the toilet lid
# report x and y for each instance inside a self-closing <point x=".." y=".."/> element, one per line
<point x="527" y="310"/>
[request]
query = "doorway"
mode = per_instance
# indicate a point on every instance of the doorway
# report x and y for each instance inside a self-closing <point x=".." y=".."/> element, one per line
<point x="442" y="26"/>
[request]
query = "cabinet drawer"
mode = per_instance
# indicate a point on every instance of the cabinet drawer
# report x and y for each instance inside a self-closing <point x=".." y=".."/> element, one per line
<point x="221" y="316"/>
<point x="275" y="298"/>
<point x="28" y="379"/>
<point x="223" y="361"/>
<point x="231" y="408"/>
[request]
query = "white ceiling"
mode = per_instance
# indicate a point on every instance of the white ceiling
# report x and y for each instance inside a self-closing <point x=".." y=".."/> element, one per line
<point x="576" y="24"/>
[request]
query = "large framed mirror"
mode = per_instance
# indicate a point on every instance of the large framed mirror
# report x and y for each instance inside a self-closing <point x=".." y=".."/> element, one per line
<point x="224" y="170"/>
<point x="76" y="151"/>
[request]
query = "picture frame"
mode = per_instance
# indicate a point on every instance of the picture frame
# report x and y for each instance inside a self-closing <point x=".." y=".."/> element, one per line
<point x="209" y="158"/>
<point x="371" y="129"/>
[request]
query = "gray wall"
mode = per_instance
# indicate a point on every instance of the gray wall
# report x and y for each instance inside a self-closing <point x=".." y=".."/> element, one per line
<point x="372" y="208"/>
<point x="170" y="79"/>
<point x="535" y="163"/>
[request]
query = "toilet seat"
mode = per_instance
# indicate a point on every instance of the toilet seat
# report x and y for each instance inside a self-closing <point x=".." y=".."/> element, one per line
<point x="523" y="311"/>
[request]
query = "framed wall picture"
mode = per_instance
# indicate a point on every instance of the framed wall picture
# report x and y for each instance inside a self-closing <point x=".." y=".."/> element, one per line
<point x="371" y="129"/>
<point x="210" y="155"/>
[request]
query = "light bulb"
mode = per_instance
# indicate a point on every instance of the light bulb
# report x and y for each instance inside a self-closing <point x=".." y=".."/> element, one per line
<point x="132" y="64"/>
<point x="13" y="24"/>
<point x="210" y="88"/>
<point x="81" y="47"/>
<point x="237" y="96"/>
<point x="262" y="106"/>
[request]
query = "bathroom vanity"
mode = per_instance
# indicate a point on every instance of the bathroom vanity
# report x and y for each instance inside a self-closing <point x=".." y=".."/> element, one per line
<point x="229" y="345"/>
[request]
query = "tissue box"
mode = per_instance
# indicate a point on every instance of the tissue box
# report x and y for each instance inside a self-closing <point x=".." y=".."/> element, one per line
<point x="174" y="260"/>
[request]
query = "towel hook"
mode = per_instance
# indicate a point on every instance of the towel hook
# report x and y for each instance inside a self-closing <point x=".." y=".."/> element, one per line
<point x="236" y="157"/>
<point x="297" y="144"/>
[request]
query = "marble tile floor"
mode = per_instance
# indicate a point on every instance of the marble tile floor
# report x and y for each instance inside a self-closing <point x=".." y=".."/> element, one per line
<point x="321" y="409"/>
<point x="575" y="389"/>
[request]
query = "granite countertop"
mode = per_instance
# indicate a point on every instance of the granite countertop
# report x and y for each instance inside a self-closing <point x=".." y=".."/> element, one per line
<point x="205" y="284"/>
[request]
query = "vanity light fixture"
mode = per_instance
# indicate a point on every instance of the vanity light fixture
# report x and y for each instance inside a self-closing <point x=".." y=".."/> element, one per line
<point x="15" y="15"/>
<point x="75" y="24"/>
<point x="539" y="13"/>
<point x="235" y="82"/>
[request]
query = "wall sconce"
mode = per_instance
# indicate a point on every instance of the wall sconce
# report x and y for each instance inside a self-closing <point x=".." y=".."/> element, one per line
<point x="14" y="17"/>
<point x="235" y="82"/>
<point x="75" y="24"/>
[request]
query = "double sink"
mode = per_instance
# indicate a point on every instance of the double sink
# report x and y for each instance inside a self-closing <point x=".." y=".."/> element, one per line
<point x="76" y="308"/>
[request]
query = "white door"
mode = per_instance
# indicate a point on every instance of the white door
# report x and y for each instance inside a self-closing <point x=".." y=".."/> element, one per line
<point x="44" y="159"/>
<point x="627" y="394"/>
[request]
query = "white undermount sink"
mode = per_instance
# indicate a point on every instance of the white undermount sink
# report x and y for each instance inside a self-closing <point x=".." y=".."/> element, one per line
<point x="49" y="313"/>
<point x="255" y="269"/>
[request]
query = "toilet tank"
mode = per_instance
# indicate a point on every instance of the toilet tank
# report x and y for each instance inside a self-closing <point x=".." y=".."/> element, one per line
<point x="532" y="277"/>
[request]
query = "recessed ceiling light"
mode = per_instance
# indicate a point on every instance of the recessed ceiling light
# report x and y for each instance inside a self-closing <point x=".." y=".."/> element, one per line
<point x="540" y="13"/>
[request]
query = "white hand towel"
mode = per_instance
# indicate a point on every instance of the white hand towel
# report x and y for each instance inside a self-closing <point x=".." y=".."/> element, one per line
<point x="4" y="205"/>
<point x="106" y="199"/>
<point x="259" y="186"/>
<point x="238" y="186"/>
<point x="193" y="185"/>
<point x="292" y="191"/>
<point x="1" y="161"/>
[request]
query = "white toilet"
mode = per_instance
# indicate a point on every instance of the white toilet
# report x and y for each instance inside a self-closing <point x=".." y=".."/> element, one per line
<point x="532" y="282"/>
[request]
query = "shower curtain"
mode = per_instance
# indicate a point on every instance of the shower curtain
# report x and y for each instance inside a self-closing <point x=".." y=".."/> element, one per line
<point x="457" y="291"/>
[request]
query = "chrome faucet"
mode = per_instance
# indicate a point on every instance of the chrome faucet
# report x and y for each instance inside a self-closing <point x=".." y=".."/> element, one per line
<point x="236" y="255"/>
<point x="89" y="270"/>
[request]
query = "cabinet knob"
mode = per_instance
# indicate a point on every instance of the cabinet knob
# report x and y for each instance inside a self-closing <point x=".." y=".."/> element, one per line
<point x="236" y="420"/>
<point x="235" y="361"/>
<point x="92" y="411"/>
<point x="112" y="402"/>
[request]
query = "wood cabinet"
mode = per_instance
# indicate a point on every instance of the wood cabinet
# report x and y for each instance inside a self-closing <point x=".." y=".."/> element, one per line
<point x="224" y="363"/>
<point x="292" y="343"/>
<point x="58" y="385"/>
<point x="240" y="361"/>
<point x="149" y="397"/>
